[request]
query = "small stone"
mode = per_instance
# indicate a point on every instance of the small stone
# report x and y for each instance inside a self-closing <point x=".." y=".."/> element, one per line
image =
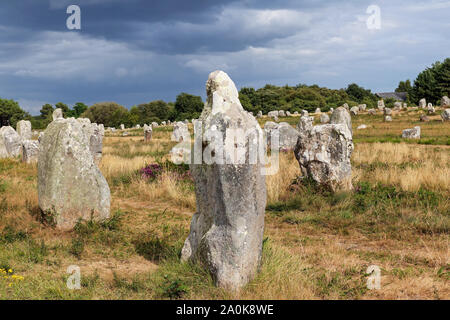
<point x="57" y="114"/>
<point x="148" y="132"/>
<point x="423" y="103"/>
<point x="413" y="133"/>
<point x="324" y="118"/>
<point x="354" y="111"/>
<point x="446" y="115"/>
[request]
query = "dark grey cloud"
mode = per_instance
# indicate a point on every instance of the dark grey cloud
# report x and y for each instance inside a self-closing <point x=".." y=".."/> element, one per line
<point x="137" y="51"/>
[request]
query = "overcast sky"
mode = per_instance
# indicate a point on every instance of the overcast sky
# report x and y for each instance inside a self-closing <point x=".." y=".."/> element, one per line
<point x="137" y="51"/>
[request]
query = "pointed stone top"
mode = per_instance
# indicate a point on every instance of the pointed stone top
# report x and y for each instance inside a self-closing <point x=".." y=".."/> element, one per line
<point x="221" y="92"/>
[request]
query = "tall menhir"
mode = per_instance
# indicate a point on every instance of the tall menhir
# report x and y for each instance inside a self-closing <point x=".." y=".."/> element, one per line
<point x="227" y="230"/>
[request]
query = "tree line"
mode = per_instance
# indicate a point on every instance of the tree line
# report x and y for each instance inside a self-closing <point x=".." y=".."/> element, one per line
<point x="432" y="83"/>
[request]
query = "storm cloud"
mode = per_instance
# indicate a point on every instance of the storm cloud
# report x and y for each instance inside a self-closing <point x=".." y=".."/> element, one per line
<point x="137" y="51"/>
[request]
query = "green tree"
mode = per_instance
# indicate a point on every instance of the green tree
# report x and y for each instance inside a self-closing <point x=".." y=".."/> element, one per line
<point x="357" y="93"/>
<point x="10" y="113"/>
<point x="110" y="114"/>
<point x="65" y="109"/>
<point x="78" y="109"/>
<point x="155" y="109"/>
<point x="46" y="111"/>
<point x="432" y="83"/>
<point x="188" y="106"/>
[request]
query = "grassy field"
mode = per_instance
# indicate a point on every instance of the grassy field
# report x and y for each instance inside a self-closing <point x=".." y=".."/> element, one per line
<point x="317" y="245"/>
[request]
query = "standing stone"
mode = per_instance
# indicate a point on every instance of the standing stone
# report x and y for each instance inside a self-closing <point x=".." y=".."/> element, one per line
<point x="163" y="123"/>
<point x="24" y="129"/>
<point x="445" y="102"/>
<point x="446" y="115"/>
<point x="323" y="154"/>
<point x="372" y="112"/>
<point x="422" y="103"/>
<point x="341" y="116"/>
<point x="273" y="114"/>
<point x="305" y="113"/>
<point x="30" y="151"/>
<point x="362" y="107"/>
<point x="387" y="111"/>
<point x="180" y="132"/>
<point x="354" y="111"/>
<point x="405" y="105"/>
<point x="397" y="106"/>
<point x="380" y="105"/>
<point x="387" y="118"/>
<point x="10" y="143"/>
<point x="431" y="109"/>
<point x="413" y="133"/>
<point x="324" y="118"/>
<point x="287" y="134"/>
<point x="305" y="124"/>
<point x="226" y="233"/>
<point x="70" y="185"/>
<point x="331" y="110"/>
<point x="57" y="114"/>
<point x="155" y="125"/>
<point x="122" y="127"/>
<point x="148" y="131"/>
<point x="260" y="114"/>
<point x="96" y="141"/>
<point x="296" y="113"/>
<point x="281" y="113"/>
<point x="317" y="111"/>
<point x="288" y="113"/>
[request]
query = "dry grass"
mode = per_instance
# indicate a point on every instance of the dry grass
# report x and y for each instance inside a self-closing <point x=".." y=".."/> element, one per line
<point x="410" y="167"/>
<point x="318" y="245"/>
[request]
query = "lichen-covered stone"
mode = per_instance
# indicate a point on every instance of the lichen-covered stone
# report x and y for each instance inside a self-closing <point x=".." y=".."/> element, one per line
<point x="445" y="102"/>
<point x="227" y="231"/>
<point x="445" y="115"/>
<point x="413" y="133"/>
<point x="10" y="143"/>
<point x="180" y="132"/>
<point x="287" y="134"/>
<point x="324" y="118"/>
<point x="324" y="155"/>
<point x="354" y="111"/>
<point x="30" y="151"/>
<point x="70" y="185"/>
<point x="341" y="116"/>
<point x="148" y="132"/>
<point x="57" y="114"/>
<point x="24" y="129"/>
<point x="423" y="103"/>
